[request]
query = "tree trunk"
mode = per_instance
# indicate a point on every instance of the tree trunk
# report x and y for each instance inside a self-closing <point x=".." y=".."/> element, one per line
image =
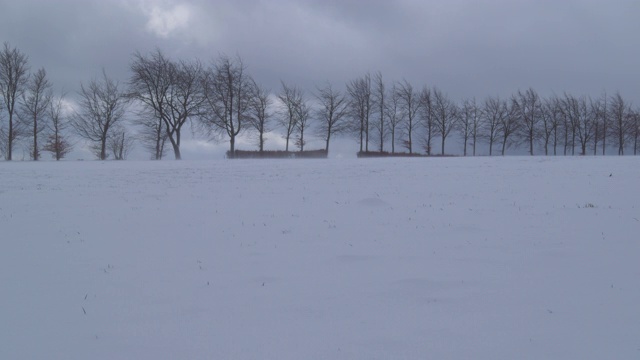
<point x="621" y="141"/>
<point x="121" y="151"/>
<point x="232" y="146"/>
<point x="35" y="139"/>
<point x="595" y="141"/>
<point x="57" y="145"/>
<point x="301" y="140"/>
<point x="10" y="140"/>
<point x="382" y="135"/>
<point x="35" y="142"/>
<point x="103" y="149"/>
<point x="159" y="147"/>
<point x="176" y="151"/>
<point x="176" y="148"/>
<point x="474" y="145"/>
<point x="393" y="141"/>
<point x="366" y="146"/>
<point x="604" y="137"/>
<point x="546" y="146"/>
<point x="429" y="138"/>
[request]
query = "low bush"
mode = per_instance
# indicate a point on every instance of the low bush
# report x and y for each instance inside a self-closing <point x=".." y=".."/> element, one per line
<point x="277" y="154"/>
<point x="371" y="154"/>
<point x="367" y="154"/>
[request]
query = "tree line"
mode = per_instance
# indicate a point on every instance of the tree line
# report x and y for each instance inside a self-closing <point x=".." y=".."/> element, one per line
<point x="222" y="101"/>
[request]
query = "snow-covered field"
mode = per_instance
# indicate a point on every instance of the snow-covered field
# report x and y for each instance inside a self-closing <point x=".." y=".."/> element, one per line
<point x="452" y="258"/>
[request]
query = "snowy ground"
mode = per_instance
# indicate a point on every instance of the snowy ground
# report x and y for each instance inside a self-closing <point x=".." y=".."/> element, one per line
<point x="478" y="258"/>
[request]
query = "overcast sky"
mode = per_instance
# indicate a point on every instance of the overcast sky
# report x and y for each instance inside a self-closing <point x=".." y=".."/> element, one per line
<point x="464" y="47"/>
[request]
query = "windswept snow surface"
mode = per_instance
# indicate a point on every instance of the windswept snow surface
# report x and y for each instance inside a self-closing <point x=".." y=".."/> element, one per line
<point x="450" y="258"/>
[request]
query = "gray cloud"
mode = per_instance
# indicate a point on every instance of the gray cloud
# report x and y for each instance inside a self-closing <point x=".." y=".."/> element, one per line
<point x="464" y="47"/>
<point x="467" y="48"/>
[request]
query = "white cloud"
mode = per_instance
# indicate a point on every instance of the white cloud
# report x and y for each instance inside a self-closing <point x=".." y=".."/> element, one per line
<point x="188" y="21"/>
<point x="165" y="21"/>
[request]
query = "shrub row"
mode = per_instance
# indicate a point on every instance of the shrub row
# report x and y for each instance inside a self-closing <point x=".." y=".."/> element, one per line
<point x="277" y="154"/>
<point x="370" y="154"/>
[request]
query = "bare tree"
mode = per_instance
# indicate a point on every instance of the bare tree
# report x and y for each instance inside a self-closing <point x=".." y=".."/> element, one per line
<point x="548" y="123"/>
<point x="57" y="143"/>
<point x="494" y="111"/>
<point x="476" y="124"/>
<point x="331" y="113"/>
<point x="597" y="109"/>
<point x="185" y="100"/>
<point x="151" y="133"/>
<point x="3" y="134"/>
<point x="13" y="80"/>
<point x="583" y="119"/>
<point x="171" y="94"/>
<point x="445" y="115"/>
<point x="410" y="105"/>
<point x="120" y="143"/>
<point x="394" y="115"/>
<point x="35" y="103"/>
<point x="468" y="124"/>
<point x="463" y="126"/>
<point x="634" y="130"/>
<point x="557" y="118"/>
<point x="427" y="113"/>
<point x="604" y="119"/>
<point x="151" y="79"/>
<point x="303" y="113"/>
<point x="508" y="126"/>
<point x="227" y="91"/>
<point x="379" y="96"/>
<point x="568" y="127"/>
<point x="290" y="98"/>
<point x="360" y="108"/>
<point x="526" y="107"/>
<point x="619" y="111"/>
<point x="259" y="113"/>
<point x="102" y="105"/>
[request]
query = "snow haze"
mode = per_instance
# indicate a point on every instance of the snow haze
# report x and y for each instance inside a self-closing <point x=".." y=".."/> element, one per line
<point x="439" y="258"/>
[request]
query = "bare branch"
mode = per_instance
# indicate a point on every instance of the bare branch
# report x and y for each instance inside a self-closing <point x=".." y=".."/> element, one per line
<point x="227" y="94"/>
<point x="34" y="105"/>
<point x="331" y="113"/>
<point x="13" y="80"/>
<point x="290" y="99"/>
<point x="102" y="105"/>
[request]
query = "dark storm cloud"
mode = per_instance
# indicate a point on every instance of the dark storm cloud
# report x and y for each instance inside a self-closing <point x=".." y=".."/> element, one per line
<point x="467" y="48"/>
<point x="73" y="40"/>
